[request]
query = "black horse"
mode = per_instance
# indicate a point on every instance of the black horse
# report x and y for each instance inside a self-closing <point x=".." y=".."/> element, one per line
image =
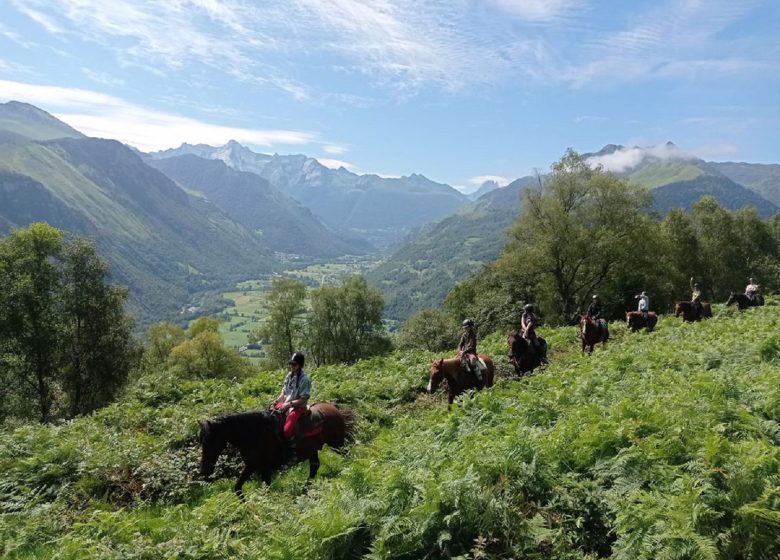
<point x="523" y="356"/>
<point x="743" y="301"/>
<point x="257" y="436"/>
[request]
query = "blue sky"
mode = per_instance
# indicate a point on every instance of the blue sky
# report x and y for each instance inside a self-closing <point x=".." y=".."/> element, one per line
<point x="458" y="90"/>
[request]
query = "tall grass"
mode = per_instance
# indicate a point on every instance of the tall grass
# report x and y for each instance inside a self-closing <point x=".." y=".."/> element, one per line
<point x="657" y="446"/>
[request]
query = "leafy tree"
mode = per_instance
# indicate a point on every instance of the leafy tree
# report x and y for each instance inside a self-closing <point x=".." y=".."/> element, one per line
<point x="161" y="339"/>
<point x="29" y="327"/>
<point x="429" y="329"/>
<point x="203" y="324"/>
<point x="96" y="350"/>
<point x="284" y="325"/>
<point x="581" y="226"/>
<point x="346" y="322"/>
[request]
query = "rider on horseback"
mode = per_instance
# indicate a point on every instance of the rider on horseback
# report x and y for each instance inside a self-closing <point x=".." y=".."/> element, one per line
<point x="292" y="400"/>
<point x="528" y="322"/>
<point x="594" y="312"/>
<point x="467" y="348"/>
<point x="696" y="297"/>
<point x="644" y="305"/>
<point x="751" y="291"/>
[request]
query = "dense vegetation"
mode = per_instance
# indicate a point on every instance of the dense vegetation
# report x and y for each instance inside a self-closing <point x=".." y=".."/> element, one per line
<point x="586" y="231"/>
<point x="658" y="446"/>
<point x="65" y="344"/>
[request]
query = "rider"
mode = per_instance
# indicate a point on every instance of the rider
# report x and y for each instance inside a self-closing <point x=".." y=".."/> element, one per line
<point x="644" y="305"/>
<point x="696" y="297"/>
<point x="594" y="313"/>
<point x="467" y="348"/>
<point x="751" y="291"/>
<point x="292" y="400"/>
<point x="528" y="322"/>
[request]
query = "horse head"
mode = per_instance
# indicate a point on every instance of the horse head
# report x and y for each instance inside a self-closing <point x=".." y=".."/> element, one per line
<point x="436" y="375"/>
<point x="212" y="444"/>
<point x="586" y="324"/>
<point x="677" y="308"/>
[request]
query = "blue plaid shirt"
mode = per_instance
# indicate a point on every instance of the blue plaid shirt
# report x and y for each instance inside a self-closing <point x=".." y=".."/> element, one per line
<point x="296" y="386"/>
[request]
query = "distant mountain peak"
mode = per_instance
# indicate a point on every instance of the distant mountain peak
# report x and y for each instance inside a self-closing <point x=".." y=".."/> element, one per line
<point x="25" y="121"/>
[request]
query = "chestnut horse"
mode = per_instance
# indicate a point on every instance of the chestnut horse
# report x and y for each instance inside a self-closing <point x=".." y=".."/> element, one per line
<point x="458" y="379"/>
<point x="592" y="333"/>
<point x="635" y="321"/>
<point x="522" y="354"/>
<point x="257" y="436"/>
<point x="688" y="312"/>
<point x="743" y="301"/>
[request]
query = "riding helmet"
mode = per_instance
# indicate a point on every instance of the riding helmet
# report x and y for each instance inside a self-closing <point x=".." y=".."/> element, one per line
<point x="467" y="323"/>
<point x="297" y="358"/>
<point x="528" y="307"/>
<point x="595" y="297"/>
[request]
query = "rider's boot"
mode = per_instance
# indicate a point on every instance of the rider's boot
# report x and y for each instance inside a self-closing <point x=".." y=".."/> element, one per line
<point x="289" y="451"/>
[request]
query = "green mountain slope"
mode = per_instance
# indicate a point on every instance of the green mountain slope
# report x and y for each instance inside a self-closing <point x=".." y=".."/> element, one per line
<point x="424" y="270"/>
<point x="658" y="446"/>
<point x="284" y="224"/>
<point x="684" y="194"/>
<point x="161" y="242"/>
<point x="763" y="179"/>
<point x="21" y="121"/>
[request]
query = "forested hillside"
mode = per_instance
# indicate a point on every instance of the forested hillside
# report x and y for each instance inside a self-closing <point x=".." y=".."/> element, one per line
<point x="660" y="445"/>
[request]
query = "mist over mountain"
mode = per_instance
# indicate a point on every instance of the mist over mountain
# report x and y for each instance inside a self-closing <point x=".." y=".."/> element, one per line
<point x="421" y="272"/>
<point x="381" y="210"/>
<point x="284" y="224"/>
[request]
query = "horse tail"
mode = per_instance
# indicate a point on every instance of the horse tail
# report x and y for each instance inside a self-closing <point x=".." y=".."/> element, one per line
<point x="349" y="425"/>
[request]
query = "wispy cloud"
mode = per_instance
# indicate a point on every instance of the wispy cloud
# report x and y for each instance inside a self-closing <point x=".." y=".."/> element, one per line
<point x="625" y="159"/>
<point x="404" y="46"/>
<point x="501" y="181"/>
<point x="334" y="150"/>
<point x="337" y="163"/>
<point x="105" y="116"/>
<point x="102" y="77"/>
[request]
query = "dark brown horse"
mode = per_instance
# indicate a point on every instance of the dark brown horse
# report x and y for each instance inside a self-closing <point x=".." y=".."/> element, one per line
<point x="458" y="379"/>
<point x="592" y="332"/>
<point x="635" y="321"/>
<point x="743" y="301"/>
<point x="256" y="435"/>
<point x="523" y="356"/>
<point x="688" y="311"/>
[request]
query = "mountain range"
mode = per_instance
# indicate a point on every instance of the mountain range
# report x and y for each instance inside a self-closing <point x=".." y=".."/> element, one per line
<point x="377" y="209"/>
<point x="421" y="272"/>
<point x="174" y="224"/>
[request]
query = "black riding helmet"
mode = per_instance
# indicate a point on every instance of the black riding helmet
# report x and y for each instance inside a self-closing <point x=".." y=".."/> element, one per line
<point x="528" y="307"/>
<point x="297" y="358"/>
<point x="467" y="323"/>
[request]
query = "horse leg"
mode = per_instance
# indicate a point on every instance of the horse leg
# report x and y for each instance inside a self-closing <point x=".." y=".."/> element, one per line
<point x="314" y="466"/>
<point x="246" y="472"/>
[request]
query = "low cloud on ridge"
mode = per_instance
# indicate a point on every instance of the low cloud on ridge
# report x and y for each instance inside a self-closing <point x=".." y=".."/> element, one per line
<point x="624" y="159"/>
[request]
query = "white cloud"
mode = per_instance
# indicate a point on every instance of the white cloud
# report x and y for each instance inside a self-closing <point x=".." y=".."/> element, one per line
<point x="102" y="77"/>
<point x="336" y="163"/>
<point x="334" y="150"/>
<point x="478" y="180"/>
<point x="536" y="10"/>
<point x="105" y="116"/>
<point x="403" y="46"/>
<point x="625" y="159"/>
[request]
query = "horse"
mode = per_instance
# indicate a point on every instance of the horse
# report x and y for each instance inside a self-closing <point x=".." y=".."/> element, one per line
<point x="592" y="333"/>
<point x="523" y="356"/>
<point x="458" y="379"/>
<point x="635" y="321"/>
<point x="257" y="436"/>
<point x="743" y="301"/>
<point x="688" y="312"/>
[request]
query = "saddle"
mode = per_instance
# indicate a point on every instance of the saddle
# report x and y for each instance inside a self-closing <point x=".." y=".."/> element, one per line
<point x="309" y="424"/>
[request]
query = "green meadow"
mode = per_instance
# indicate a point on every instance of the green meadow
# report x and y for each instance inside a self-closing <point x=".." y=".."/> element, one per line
<point x="661" y="445"/>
